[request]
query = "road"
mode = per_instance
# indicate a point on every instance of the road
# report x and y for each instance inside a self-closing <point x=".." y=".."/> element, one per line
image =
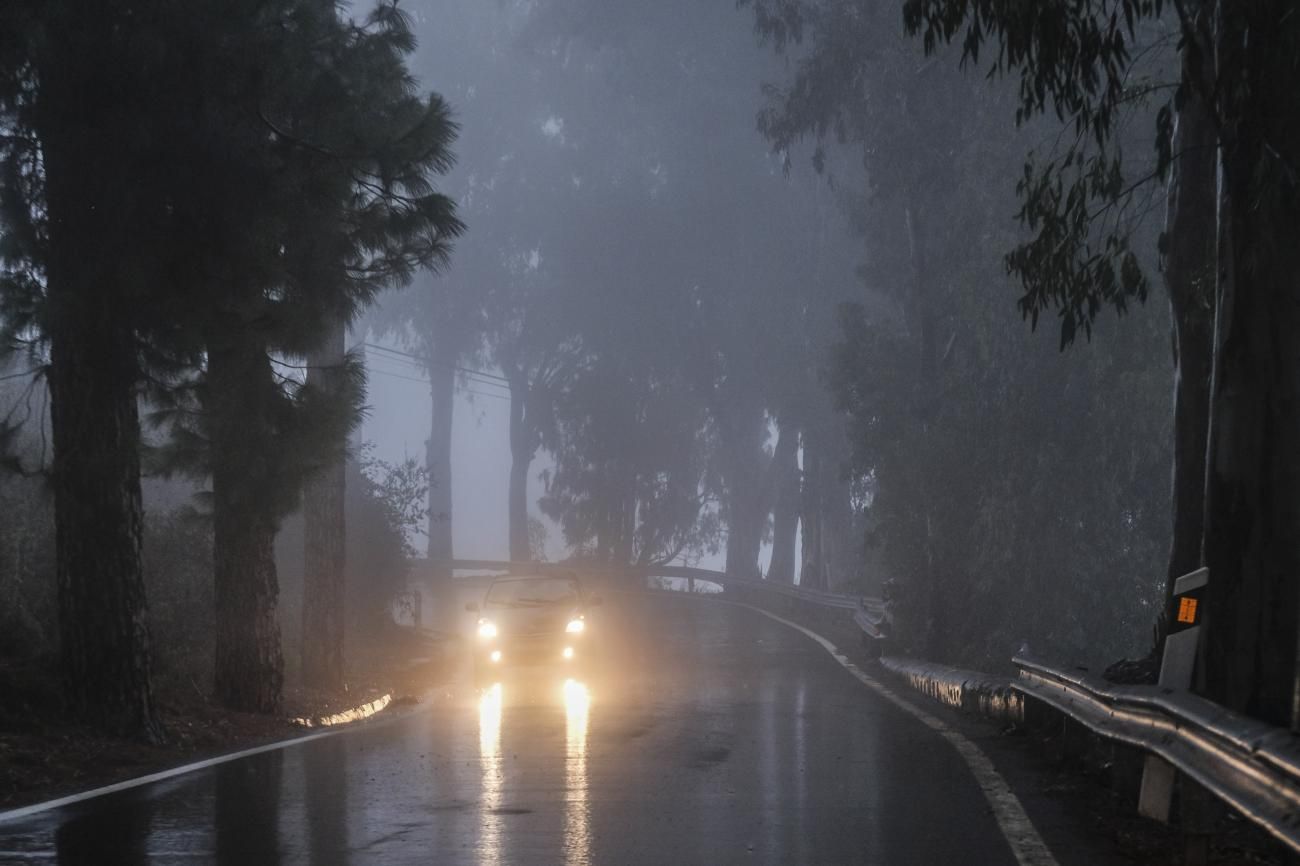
<point x="707" y="734"/>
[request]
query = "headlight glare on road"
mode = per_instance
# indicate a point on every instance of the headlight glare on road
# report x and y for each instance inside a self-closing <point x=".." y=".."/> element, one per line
<point x="575" y="626"/>
<point x="487" y="629"/>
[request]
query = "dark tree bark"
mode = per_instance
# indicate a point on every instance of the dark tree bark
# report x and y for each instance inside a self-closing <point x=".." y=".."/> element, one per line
<point x="442" y="388"/>
<point x="324" y="538"/>
<point x="104" y="639"/>
<point x="938" y="626"/>
<point x="1189" y="278"/>
<point x="249" y="665"/>
<point x="1253" y="493"/>
<point x="785" y="512"/>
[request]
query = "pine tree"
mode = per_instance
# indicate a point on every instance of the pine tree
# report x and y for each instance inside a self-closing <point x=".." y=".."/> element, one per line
<point x="326" y="200"/>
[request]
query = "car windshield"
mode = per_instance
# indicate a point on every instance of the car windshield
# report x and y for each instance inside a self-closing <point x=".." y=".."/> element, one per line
<point x="533" y="592"/>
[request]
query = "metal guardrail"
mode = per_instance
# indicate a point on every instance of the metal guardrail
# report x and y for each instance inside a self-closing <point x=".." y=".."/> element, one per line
<point x="869" y="614"/>
<point x="1250" y="765"/>
<point x="994" y="697"/>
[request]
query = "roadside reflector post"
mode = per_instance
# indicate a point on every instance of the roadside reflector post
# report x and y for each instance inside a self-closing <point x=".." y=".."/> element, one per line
<point x="1176" y="667"/>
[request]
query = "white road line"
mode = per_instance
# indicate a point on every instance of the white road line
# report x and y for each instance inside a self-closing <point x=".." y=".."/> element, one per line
<point x="36" y="808"/>
<point x="1027" y="846"/>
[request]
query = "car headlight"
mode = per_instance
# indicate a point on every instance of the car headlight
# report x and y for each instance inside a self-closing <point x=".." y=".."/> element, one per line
<point x="487" y="629"/>
<point x="575" y="626"/>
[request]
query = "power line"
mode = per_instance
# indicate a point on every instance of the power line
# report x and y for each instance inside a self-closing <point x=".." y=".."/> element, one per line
<point x="422" y="371"/>
<point x="426" y="382"/>
<point x="477" y="376"/>
<point x="425" y="362"/>
<point x="422" y="376"/>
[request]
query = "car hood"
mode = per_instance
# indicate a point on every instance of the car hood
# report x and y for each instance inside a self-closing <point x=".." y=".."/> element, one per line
<point x="531" y="620"/>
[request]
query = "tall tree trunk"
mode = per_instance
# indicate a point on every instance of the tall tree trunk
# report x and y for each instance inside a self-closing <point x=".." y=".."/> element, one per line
<point x="743" y="432"/>
<point x="785" y="512"/>
<point x="104" y="639"/>
<point x="249" y="665"/>
<point x="523" y="446"/>
<point x="604" y="509"/>
<point x="938" y="626"/>
<point x="812" y="571"/>
<point x="625" y="514"/>
<point x="841" y="548"/>
<point x="442" y="388"/>
<point x="1253" y="493"/>
<point x="1189" y="278"/>
<point x="324" y="537"/>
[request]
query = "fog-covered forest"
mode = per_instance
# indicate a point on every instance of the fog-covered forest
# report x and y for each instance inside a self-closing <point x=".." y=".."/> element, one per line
<point x="911" y="299"/>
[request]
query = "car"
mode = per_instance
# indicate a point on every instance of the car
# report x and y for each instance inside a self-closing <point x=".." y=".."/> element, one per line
<point x="532" y="619"/>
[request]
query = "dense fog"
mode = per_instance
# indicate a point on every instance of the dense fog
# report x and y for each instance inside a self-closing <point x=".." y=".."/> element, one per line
<point x="864" y="297"/>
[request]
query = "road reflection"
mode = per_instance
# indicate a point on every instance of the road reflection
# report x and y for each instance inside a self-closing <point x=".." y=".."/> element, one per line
<point x="325" y="768"/>
<point x="489" y="749"/>
<point x="577" y="812"/>
<point x="497" y="705"/>
<point x="106" y="837"/>
<point x="247" y="809"/>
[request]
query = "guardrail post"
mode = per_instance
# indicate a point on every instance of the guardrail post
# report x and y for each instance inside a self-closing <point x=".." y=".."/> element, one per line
<point x="1176" y="664"/>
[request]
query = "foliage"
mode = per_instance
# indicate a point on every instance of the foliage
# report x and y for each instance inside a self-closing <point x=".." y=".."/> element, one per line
<point x="989" y="489"/>
<point x="1094" y="66"/>
<point x="400" y="491"/>
<point x="1052" y="527"/>
<point x="178" y="578"/>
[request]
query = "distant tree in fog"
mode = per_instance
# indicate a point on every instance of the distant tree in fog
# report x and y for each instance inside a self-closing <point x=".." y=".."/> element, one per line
<point x="933" y="383"/>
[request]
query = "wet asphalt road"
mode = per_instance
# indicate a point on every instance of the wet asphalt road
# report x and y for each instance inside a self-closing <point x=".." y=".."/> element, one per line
<point x="700" y="734"/>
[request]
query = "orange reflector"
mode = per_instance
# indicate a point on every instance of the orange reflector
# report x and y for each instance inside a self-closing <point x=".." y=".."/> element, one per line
<point x="1187" y="610"/>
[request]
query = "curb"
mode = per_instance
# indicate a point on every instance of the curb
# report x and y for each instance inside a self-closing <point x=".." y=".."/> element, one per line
<point x="355" y="714"/>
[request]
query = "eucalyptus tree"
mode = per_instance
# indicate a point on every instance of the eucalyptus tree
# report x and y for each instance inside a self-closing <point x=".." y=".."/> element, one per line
<point x="1074" y="61"/>
<point x="854" y="88"/>
<point x="684" y="232"/>
<point x="928" y="140"/>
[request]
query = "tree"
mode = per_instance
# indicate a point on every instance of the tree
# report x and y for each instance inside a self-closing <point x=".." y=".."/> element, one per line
<point x="75" y="91"/>
<point x="1253" y="489"/>
<point x="327" y="200"/>
<point x="1249" y="491"/>
<point x="785" y="481"/>
<point x="853" y="86"/>
<point x="325" y="535"/>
